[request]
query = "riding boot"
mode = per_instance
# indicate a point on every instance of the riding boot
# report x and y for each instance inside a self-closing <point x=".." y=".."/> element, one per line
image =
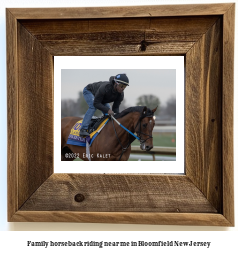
<point x="83" y="133"/>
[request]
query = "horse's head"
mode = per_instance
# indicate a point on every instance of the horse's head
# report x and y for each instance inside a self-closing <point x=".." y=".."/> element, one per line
<point x="145" y="127"/>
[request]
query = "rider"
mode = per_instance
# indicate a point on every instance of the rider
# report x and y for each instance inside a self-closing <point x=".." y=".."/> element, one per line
<point x="99" y="94"/>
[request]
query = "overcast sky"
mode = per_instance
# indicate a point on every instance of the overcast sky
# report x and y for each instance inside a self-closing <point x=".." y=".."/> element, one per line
<point x="159" y="82"/>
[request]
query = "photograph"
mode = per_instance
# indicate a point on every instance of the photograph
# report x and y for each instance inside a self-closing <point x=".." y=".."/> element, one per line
<point x="107" y="115"/>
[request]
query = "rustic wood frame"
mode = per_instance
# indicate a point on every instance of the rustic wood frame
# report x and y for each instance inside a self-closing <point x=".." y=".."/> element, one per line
<point x="204" y="34"/>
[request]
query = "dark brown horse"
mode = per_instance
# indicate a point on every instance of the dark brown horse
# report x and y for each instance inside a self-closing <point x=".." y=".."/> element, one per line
<point x="113" y="142"/>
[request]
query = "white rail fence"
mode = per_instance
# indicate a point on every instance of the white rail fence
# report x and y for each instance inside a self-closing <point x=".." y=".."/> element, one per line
<point x="137" y="153"/>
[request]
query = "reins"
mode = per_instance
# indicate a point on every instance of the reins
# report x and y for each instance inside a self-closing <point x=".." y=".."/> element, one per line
<point x="137" y="137"/>
<point x="123" y="148"/>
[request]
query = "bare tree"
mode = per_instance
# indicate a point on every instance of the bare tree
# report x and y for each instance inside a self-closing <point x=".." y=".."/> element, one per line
<point x="171" y="107"/>
<point x="150" y="101"/>
<point x="68" y="108"/>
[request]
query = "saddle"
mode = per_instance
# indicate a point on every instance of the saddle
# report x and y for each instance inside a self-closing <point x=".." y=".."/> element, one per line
<point x="95" y="126"/>
<point x="95" y="122"/>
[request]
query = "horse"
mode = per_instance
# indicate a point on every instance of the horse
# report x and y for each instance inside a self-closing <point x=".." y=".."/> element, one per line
<point x="113" y="142"/>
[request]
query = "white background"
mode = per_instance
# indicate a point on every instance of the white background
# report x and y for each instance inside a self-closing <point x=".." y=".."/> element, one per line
<point x="16" y="241"/>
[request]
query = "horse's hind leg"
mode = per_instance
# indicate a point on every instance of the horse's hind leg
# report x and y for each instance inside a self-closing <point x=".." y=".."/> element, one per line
<point x="65" y="154"/>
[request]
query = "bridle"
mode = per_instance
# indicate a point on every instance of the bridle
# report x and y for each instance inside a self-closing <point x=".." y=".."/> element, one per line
<point x="138" y="134"/>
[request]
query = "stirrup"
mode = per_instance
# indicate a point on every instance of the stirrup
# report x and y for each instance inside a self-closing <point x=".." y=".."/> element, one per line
<point x="84" y="133"/>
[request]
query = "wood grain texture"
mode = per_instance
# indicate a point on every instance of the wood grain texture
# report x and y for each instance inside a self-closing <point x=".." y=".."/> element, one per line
<point x="119" y="36"/>
<point x="204" y="115"/>
<point x="122" y="11"/>
<point x="48" y="29"/>
<point x="117" y="193"/>
<point x="76" y="49"/>
<point x="192" y="219"/>
<point x="227" y="113"/>
<point x="35" y="102"/>
<point x="12" y="115"/>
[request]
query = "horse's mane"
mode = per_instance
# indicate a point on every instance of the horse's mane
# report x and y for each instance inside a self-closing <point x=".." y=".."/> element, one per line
<point x="134" y="109"/>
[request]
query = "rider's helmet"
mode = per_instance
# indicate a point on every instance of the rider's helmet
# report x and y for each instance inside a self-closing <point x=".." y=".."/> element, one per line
<point x="122" y="79"/>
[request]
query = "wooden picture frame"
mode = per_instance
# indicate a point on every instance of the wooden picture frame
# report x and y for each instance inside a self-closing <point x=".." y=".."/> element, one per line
<point x="204" y="34"/>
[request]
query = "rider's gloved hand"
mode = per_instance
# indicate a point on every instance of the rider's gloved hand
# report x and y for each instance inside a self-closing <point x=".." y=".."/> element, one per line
<point x="110" y="112"/>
